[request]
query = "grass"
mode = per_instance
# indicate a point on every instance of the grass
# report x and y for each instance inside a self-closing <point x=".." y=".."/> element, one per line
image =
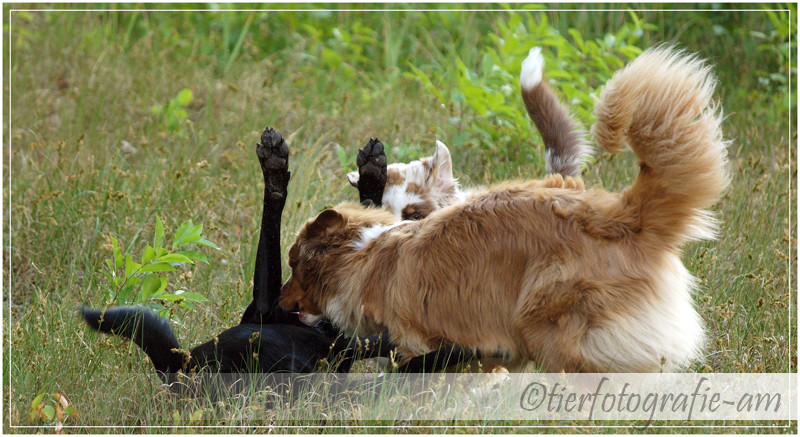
<point x="73" y="97"/>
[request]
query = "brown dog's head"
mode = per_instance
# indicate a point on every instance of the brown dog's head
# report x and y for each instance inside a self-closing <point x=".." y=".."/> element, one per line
<point x="324" y="283"/>
<point x="308" y="259"/>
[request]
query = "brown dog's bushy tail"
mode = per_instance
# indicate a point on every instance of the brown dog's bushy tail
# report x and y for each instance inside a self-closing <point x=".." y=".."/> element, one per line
<point x="662" y="106"/>
<point x="565" y="144"/>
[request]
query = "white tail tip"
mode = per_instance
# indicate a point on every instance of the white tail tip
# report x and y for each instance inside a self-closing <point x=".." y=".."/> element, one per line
<point x="532" y="68"/>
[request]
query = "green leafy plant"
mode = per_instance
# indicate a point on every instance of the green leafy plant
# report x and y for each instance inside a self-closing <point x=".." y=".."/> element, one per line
<point x="779" y="43"/>
<point x="173" y="114"/>
<point x="51" y="409"/>
<point x="145" y="282"/>
<point x="485" y="100"/>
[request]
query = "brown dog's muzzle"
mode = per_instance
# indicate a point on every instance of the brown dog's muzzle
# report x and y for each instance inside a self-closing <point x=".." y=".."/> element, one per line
<point x="294" y="298"/>
<point x="290" y="295"/>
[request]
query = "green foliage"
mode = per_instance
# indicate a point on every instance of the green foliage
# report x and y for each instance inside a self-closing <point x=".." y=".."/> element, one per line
<point x="778" y="44"/>
<point x="51" y="409"/>
<point x="145" y="282"/>
<point x="754" y="58"/>
<point x="173" y="114"/>
<point x="489" y="111"/>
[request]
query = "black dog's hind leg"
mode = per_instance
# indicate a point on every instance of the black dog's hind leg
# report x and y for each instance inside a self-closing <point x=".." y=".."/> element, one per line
<point x="371" y="162"/>
<point x="273" y="155"/>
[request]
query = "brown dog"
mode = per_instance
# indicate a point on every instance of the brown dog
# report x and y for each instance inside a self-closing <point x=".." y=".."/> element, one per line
<point x="580" y="280"/>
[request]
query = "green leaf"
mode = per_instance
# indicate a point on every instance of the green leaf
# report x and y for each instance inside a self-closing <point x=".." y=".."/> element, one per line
<point x="38" y="400"/>
<point x="171" y="297"/>
<point x="175" y="258"/>
<point x="32" y="412"/>
<point x="630" y="51"/>
<point x="182" y="232"/>
<point x="151" y="285"/>
<point x="190" y="238"/>
<point x="49" y="412"/>
<point x="158" y="267"/>
<point x="578" y="39"/>
<point x="204" y="242"/>
<point x="157" y="109"/>
<point x="194" y="255"/>
<point x="149" y="254"/>
<point x="130" y="266"/>
<point x="158" y="238"/>
<point x="184" y="97"/>
<point x="634" y="18"/>
<point x="193" y="235"/>
<point x="194" y="297"/>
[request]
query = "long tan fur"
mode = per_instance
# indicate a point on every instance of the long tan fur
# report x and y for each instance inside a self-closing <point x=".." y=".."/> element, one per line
<point x="575" y="280"/>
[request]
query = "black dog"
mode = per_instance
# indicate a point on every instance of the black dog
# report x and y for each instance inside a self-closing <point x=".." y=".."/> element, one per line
<point x="267" y="339"/>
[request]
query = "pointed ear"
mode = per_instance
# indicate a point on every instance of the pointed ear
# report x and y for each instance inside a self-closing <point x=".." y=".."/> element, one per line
<point x="352" y="177"/>
<point x="441" y="165"/>
<point x="326" y="223"/>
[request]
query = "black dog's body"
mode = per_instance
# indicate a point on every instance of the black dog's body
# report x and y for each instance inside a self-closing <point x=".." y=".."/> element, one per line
<point x="240" y="349"/>
<point x="267" y="339"/>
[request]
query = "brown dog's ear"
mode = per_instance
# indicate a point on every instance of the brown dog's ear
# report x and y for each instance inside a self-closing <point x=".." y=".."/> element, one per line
<point x="327" y="222"/>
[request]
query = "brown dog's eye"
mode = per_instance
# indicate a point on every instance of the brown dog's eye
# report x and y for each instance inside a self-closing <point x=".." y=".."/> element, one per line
<point x="415" y="216"/>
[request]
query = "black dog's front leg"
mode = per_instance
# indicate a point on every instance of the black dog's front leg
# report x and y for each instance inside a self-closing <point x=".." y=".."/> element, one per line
<point x="371" y="162"/>
<point x="273" y="155"/>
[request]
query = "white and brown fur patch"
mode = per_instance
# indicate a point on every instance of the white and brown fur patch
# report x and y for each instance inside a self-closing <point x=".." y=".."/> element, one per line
<point x="416" y="189"/>
<point x="577" y="280"/>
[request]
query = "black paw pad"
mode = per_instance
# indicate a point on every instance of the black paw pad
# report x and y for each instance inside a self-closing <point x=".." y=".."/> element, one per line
<point x="371" y="162"/>
<point x="273" y="154"/>
<point x="272" y="151"/>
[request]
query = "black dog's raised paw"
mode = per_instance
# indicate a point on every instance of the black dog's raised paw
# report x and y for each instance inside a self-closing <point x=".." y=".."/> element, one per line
<point x="273" y="154"/>
<point x="371" y="162"/>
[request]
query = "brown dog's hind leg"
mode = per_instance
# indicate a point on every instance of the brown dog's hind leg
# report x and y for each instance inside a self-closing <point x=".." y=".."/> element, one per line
<point x="371" y="172"/>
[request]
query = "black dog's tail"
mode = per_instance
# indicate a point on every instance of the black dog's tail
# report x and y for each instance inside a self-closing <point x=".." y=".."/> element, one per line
<point x="149" y="331"/>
